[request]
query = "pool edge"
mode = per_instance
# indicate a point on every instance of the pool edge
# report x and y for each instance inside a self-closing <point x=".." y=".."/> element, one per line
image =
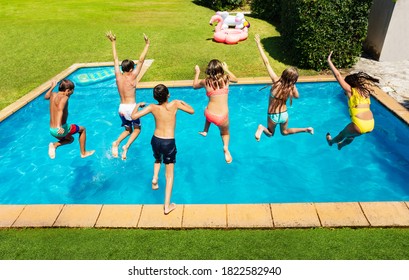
<point x="227" y="216"/>
<point x="208" y="216"/>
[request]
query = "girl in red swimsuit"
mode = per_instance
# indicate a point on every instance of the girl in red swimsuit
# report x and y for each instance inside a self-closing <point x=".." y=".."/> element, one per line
<point x="216" y="84"/>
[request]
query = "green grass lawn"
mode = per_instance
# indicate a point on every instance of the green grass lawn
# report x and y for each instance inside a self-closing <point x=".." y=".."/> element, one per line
<point x="296" y="244"/>
<point x="39" y="39"/>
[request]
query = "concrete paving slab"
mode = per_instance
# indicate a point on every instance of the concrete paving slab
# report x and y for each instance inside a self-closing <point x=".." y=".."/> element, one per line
<point x="152" y="217"/>
<point x="381" y="214"/>
<point x="78" y="215"/>
<point x="341" y="215"/>
<point x="9" y="214"/>
<point x="289" y="215"/>
<point x="249" y="216"/>
<point x="205" y="216"/>
<point x="38" y="215"/>
<point x="125" y="216"/>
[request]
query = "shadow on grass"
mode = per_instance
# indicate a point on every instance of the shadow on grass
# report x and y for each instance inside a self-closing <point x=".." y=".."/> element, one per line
<point x="275" y="47"/>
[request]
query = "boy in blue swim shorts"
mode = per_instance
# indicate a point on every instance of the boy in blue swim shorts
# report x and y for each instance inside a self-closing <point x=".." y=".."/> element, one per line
<point x="58" y="119"/>
<point x="163" y="139"/>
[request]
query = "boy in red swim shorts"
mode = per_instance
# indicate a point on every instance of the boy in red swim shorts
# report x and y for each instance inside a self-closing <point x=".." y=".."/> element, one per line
<point x="58" y="119"/>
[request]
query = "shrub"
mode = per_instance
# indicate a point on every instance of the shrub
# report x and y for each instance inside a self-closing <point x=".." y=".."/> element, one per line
<point x="221" y="5"/>
<point x="268" y="10"/>
<point x="312" y="28"/>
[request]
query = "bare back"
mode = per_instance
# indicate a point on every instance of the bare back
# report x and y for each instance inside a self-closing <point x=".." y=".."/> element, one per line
<point x="165" y="118"/>
<point x="126" y="83"/>
<point x="58" y="109"/>
<point x="217" y="103"/>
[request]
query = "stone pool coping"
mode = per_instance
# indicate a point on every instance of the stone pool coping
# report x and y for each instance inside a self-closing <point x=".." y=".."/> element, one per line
<point x="220" y="216"/>
<point x="216" y="216"/>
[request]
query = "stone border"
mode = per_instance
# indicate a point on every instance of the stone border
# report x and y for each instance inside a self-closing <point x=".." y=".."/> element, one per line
<point x="20" y="103"/>
<point x="217" y="216"/>
<point x="225" y="216"/>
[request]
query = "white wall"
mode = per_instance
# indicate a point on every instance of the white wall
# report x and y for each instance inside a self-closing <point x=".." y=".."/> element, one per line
<point x="388" y="30"/>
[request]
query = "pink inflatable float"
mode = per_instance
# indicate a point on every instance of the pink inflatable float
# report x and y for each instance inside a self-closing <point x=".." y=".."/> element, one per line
<point x="224" y="34"/>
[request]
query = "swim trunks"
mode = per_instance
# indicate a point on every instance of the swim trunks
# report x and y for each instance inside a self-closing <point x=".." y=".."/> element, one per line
<point x="125" y="112"/>
<point x="279" y="117"/>
<point x="68" y="129"/>
<point x="164" y="149"/>
<point x="216" y="119"/>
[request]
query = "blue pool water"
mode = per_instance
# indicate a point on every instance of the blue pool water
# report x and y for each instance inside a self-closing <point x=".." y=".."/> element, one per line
<point x="297" y="168"/>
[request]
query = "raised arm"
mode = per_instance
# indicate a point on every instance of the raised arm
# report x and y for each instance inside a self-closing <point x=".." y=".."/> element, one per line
<point x="185" y="107"/>
<point x="196" y="82"/>
<point x="338" y="75"/>
<point x="141" y="60"/>
<point x="112" y="38"/>
<point x="137" y="114"/>
<point x="48" y="94"/>
<point x="232" y="77"/>
<point x="270" y="70"/>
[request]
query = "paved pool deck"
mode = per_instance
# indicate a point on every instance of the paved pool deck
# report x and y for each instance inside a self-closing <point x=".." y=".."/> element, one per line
<point x="219" y="216"/>
<point x="215" y="216"/>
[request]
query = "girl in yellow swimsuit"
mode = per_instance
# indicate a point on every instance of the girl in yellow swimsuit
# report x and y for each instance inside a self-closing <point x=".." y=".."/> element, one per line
<point x="216" y="84"/>
<point x="357" y="90"/>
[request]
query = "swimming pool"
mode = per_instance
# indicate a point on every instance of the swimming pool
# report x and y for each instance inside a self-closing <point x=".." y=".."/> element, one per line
<point x="297" y="168"/>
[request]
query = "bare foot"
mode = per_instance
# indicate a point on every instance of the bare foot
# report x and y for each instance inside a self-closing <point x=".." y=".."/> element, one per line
<point x="170" y="208"/>
<point x="124" y="152"/>
<point x="87" y="154"/>
<point x="114" y="149"/>
<point x="258" y="132"/>
<point x="51" y="151"/>
<point x="155" y="185"/>
<point x="310" y="130"/>
<point x="203" y="133"/>
<point x="329" y="139"/>
<point x="227" y="156"/>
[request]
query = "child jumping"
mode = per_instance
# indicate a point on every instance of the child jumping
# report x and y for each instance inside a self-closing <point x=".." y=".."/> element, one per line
<point x="357" y="89"/>
<point x="283" y="88"/>
<point x="163" y="139"/>
<point x="126" y="83"/>
<point x="58" y="119"/>
<point x="216" y="84"/>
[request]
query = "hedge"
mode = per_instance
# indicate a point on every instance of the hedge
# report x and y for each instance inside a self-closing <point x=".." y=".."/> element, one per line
<point x="221" y="5"/>
<point x="310" y="29"/>
<point x="266" y="9"/>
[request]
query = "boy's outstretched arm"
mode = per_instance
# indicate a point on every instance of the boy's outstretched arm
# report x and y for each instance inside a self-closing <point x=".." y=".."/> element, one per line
<point x="138" y="114"/>
<point x="338" y="75"/>
<point x="185" y="107"/>
<point x="48" y="94"/>
<point x="270" y="70"/>
<point x="141" y="60"/>
<point x="112" y="38"/>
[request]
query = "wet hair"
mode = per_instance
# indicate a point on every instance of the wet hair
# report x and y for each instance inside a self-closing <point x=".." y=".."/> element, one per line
<point x="361" y="81"/>
<point x="216" y="78"/>
<point x="160" y="93"/>
<point x="127" y="65"/>
<point x="66" y="84"/>
<point x="284" y="87"/>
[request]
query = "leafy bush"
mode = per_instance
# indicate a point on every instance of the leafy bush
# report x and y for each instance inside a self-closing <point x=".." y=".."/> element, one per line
<point x="221" y="5"/>
<point x="268" y="10"/>
<point x="312" y="28"/>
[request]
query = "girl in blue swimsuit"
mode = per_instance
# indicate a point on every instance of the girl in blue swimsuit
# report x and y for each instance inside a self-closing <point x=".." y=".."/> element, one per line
<point x="283" y="88"/>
